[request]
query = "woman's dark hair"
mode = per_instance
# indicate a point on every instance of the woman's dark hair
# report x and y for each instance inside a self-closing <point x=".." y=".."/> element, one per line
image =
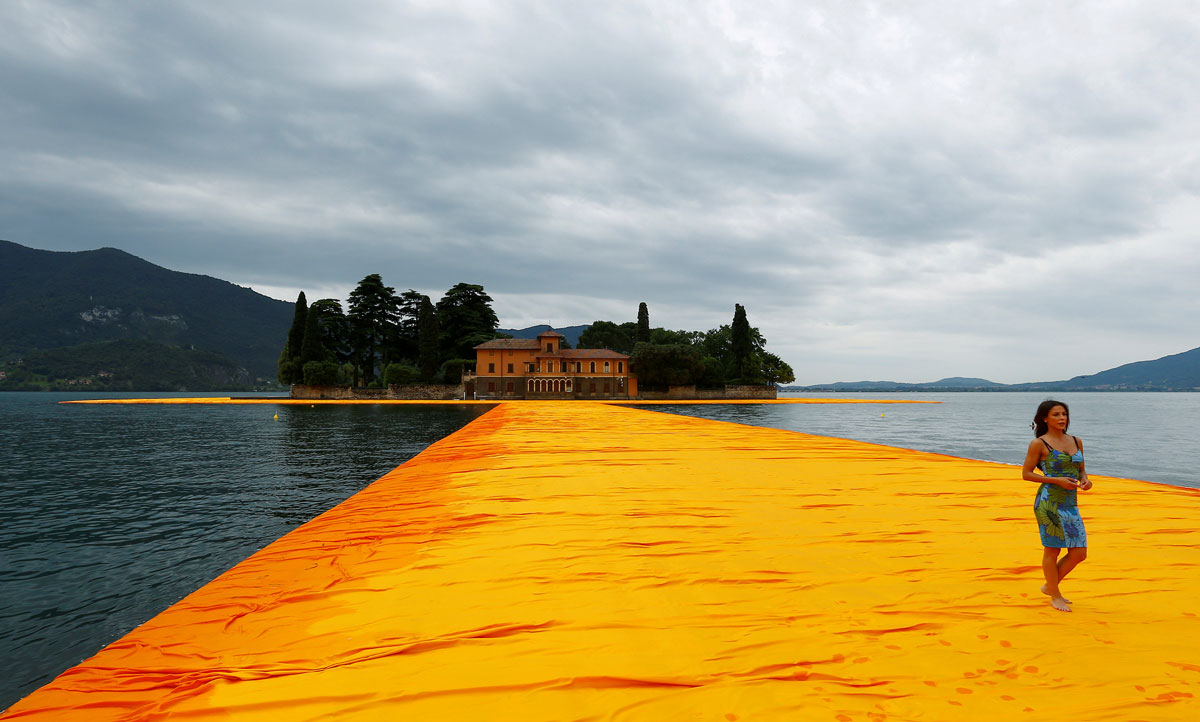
<point x="1039" y="417"/>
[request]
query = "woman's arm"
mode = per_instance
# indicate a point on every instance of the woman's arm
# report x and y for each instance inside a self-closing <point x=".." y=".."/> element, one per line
<point x="1084" y="482"/>
<point x="1028" y="473"/>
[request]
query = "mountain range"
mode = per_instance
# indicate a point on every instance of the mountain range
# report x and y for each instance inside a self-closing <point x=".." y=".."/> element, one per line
<point x="1177" y="372"/>
<point x="571" y="333"/>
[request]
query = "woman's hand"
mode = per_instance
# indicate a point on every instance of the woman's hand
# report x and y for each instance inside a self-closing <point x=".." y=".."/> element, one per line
<point x="1065" y="482"/>
<point x="1085" y="484"/>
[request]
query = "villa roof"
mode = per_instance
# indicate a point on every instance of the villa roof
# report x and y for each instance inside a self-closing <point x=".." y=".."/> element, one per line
<point x="530" y="344"/>
<point x="587" y="353"/>
<point x="550" y="333"/>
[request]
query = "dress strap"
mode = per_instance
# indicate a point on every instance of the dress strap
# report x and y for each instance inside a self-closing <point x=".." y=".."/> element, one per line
<point x="1078" y="446"/>
<point x="1048" y="446"/>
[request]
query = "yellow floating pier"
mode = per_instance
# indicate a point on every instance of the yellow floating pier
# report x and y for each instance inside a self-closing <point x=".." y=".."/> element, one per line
<point x="583" y="561"/>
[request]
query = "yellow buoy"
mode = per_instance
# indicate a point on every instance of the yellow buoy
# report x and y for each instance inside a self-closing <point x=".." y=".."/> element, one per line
<point x="277" y="417"/>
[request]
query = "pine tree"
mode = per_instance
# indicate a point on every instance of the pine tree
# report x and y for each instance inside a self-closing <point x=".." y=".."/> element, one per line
<point x="373" y="317"/>
<point x="466" y="319"/>
<point x="312" y="348"/>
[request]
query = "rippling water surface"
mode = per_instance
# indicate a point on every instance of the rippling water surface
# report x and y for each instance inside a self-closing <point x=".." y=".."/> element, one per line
<point x="1149" y="436"/>
<point x="109" y="514"/>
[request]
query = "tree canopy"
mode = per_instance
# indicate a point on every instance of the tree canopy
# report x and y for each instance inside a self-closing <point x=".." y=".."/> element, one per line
<point x="374" y="313"/>
<point x="731" y="353"/>
<point x="406" y="333"/>
<point x="466" y="319"/>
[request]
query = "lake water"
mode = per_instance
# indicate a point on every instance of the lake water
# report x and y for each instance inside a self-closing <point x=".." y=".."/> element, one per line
<point x="109" y="514"/>
<point x="1149" y="436"/>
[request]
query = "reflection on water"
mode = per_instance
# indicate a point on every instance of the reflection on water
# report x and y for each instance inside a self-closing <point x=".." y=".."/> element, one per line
<point x="109" y="514"/>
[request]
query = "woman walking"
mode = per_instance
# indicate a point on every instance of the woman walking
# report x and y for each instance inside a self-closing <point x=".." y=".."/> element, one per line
<point x="1060" y="459"/>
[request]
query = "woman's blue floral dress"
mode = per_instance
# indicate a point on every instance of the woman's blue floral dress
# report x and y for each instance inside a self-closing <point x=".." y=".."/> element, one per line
<point x="1056" y="508"/>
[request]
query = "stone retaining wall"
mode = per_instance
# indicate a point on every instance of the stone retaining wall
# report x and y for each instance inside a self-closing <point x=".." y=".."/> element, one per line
<point x="420" y="392"/>
<point x="677" y="393"/>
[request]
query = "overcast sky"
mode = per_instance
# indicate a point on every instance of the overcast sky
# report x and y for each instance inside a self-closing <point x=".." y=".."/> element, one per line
<point x="894" y="191"/>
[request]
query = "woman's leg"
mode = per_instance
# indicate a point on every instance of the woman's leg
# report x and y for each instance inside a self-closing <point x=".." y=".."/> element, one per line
<point x="1074" y="556"/>
<point x="1050" y="570"/>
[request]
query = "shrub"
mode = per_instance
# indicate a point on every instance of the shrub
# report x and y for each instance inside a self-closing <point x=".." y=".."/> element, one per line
<point x="399" y="374"/>
<point x="320" y="373"/>
<point x="451" y="371"/>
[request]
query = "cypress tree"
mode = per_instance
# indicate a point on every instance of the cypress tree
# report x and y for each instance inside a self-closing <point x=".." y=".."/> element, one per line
<point x="740" y="343"/>
<point x="427" y="339"/>
<point x="285" y="365"/>
<point x="296" y="334"/>
<point x="643" y="323"/>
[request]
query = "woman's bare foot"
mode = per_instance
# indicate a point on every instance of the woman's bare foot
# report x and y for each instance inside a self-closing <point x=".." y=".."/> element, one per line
<point x="1048" y="594"/>
<point x="1060" y="604"/>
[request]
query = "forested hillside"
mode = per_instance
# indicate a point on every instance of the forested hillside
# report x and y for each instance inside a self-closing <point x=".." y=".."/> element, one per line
<point x="51" y="299"/>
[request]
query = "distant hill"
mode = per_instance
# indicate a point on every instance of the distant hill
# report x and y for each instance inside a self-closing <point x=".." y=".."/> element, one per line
<point x="954" y="383"/>
<point x="1178" y="372"/>
<point x="125" y="365"/>
<point x="52" y="299"/>
<point x="571" y="332"/>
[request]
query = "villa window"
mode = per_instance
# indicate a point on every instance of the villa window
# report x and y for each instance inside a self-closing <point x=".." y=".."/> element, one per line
<point x="593" y="370"/>
<point x="549" y="348"/>
<point x="491" y="368"/>
<point x="491" y="385"/>
<point x="620" y="367"/>
<point x="491" y="353"/>
<point x="605" y="367"/>
<point x="510" y="387"/>
<point x="606" y="387"/>
<point x="564" y="367"/>
<point x="578" y="367"/>
<point x="510" y="368"/>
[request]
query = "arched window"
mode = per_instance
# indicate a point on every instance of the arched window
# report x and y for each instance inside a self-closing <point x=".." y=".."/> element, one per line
<point x="593" y="369"/>
<point x="620" y="367"/>
<point x="605" y="367"/>
<point x="578" y="367"/>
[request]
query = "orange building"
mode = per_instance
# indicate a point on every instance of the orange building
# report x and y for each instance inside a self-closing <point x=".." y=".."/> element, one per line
<point x="523" y="368"/>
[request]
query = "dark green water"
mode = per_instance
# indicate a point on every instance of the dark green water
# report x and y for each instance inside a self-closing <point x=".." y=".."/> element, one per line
<point x="110" y="514"/>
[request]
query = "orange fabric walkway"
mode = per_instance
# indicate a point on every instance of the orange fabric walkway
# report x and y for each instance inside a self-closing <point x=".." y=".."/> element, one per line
<point x="583" y="561"/>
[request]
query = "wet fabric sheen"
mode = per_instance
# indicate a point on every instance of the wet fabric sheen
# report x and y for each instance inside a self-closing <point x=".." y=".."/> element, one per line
<point x="582" y="561"/>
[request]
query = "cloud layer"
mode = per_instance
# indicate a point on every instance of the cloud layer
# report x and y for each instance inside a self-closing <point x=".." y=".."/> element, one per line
<point x="898" y="194"/>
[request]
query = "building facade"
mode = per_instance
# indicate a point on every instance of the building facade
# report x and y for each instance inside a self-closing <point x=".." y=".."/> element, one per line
<point x="518" y="368"/>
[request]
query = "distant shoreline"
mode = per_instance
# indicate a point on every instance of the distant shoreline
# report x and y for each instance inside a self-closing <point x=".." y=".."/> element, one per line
<point x="946" y="389"/>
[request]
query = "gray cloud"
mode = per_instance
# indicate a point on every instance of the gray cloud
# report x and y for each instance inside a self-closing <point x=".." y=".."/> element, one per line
<point x="892" y="193"/>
